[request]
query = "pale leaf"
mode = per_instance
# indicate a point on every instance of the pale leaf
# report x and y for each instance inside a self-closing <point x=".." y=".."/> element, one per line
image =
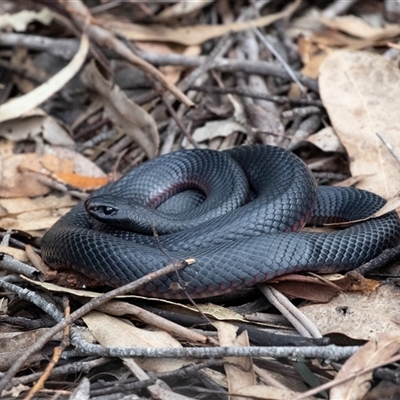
<point x="360" y="92"/>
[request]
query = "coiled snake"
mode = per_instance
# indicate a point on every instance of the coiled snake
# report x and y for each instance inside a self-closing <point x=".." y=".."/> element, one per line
<point x="240" y="223"/>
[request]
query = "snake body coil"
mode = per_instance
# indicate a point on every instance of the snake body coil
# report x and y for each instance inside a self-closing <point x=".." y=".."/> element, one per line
<point x="241" y="232"/>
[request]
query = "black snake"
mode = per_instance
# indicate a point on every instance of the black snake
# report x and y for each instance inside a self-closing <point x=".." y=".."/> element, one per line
<point x="240" y="224"/>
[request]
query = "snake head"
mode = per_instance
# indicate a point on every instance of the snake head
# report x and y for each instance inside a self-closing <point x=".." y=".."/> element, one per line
<point x="101" y="207"/>
<point x="120" y="213"/>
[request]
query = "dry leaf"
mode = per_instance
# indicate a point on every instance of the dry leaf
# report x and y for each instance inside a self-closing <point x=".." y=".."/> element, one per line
<point x="46" y="162"/>
<point x="359" y="315"/>
<point x="123" y="308"/>
<point x="311" y="55"/>
<point x="213" y="310"/>
<point x="351" y="181"/>
<point x="33" y="214"/>
<point x="18" y="106"/>
<point x="37" y="122"/>
<point x="372" y="353"/>
<point x="357" y="27"/>
<point x="242" y="376"/>
<point x="82" y="182"/>
<point x="22" y="58"/>
<point x="19" y="21"/>
<point x="190" y="35"/>
<point x="181" y="9"/>
<point x="128" y="117"/>
<point x="33" y="221"/>
<point x="19" y="173"/>
<point x="26" y="205"/>
<point x="18" y="254"/>
<point x="269" y="393"/>
<point x="16" y="391"/>
<point x="111" y="331"/>
<point x="14" y="183"/>
<point x="391" y="205"/>
<point x="70" y="161"/>
<point x="360" y="92"/>
<point x="217" y="312"/>
<point x="305" y="287"/>
<point x="172" y="73"/>
<point x="62" y="289"/>
<point x="12" y="348"/>
<point x="326" y="140"/>
<point x="221" y="128"/>
<point x="353" y="282"/>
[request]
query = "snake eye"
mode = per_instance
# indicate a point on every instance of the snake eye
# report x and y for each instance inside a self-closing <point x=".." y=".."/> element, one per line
<point x="109" y="210"/>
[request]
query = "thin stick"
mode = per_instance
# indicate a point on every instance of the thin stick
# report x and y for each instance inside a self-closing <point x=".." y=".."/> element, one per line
<point x="56" y="355"/>
<point x="80" y="14"/>
<point x="389" y="147"/>
<point x="130" y="287"/>
<point x="336" y="382"/>
<point x="257" y="95"/>
<point x="289" y="70"/>
<point x="179" y="122"/>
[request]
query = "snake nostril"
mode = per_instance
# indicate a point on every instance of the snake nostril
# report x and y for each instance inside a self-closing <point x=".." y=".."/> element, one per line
<point x="91" y="207"/>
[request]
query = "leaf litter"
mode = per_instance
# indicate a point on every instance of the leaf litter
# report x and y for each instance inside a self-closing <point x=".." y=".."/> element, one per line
<point x="61" y="141"/>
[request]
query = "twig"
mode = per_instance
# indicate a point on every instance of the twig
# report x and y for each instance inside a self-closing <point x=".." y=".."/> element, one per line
<point x="384" y="258"/>
<point x="303" y="325"/>
<point x="130" y="287"/>
<point x="179" y="122"/>
<point x="47" y="181"/>
<point x="22" y="71"/>
<point x="336" y="382"/>
<point x="326" y="176"/>
<point x="228" y="65"/>
<point x="198" y="76"/>
<point x="301" y="112"/>
<point x="180" y="281"/>
<point x="257" y="95"/>
<point x="306" y="128"/>
<point x="330" y="352"/>
<point x="221" y="48"/>
<point x="64" y="48"/>
<point x="67" y="369"/>
<point x="114" y="150"/>
<point x="257" y="336"/>
<point x="179" y="373"/>
<point x="82" y="390"/>
<point x="15" y="242"/>
<point x="119" y="308"/>
<point x="337" y="7"/>
<point x="56" y="356"/>
<point x="68" y="49"/>
<point x="95" y="140"/>
<point x="289" y="70"/>
<point x="5" y="240"/>
<point x="80" y="13"/>
<point x="158" y="389"/>
<point x="35" y="259"/>
<point x="389" y="146"/>
<point x="11" y="264"/>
